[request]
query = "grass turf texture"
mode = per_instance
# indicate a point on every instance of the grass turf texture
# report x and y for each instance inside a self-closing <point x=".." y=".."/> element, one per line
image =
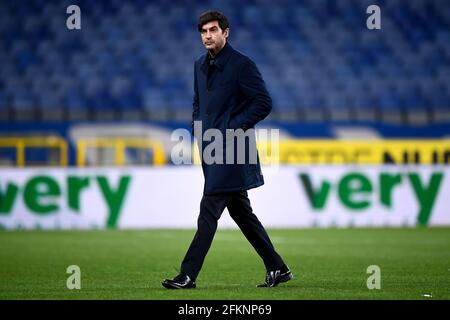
<point x="327" y="264"/>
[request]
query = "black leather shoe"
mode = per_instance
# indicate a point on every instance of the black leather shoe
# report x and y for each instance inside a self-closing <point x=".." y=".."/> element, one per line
<point x="274" y="277"/>
<point x="181" y="281"/>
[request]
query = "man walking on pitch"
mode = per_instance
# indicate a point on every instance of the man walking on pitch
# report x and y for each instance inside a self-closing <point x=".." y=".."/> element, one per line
<point x="229" y="93"/>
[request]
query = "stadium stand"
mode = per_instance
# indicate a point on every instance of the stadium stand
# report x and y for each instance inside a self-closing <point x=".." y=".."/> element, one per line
<point x="133" y="60"/>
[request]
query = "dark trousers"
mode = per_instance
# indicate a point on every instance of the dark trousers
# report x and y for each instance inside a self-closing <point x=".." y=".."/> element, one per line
<point x="211" y="208"/>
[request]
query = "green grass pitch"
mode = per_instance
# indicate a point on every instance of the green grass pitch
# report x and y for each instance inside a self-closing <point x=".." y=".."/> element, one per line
<point x="130" y="264"/>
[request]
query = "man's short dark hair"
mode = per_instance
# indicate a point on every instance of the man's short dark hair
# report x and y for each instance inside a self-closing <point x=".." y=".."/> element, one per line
<point x="212" y="15"/>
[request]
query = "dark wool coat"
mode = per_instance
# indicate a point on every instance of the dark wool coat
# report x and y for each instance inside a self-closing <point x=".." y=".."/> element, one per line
<point x="229" y="93"/>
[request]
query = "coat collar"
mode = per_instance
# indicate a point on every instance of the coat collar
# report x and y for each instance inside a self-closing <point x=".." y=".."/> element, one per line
<point x="220" y="60"/>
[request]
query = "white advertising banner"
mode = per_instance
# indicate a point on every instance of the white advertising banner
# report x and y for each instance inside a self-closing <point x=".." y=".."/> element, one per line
<point x="169" y="197"/>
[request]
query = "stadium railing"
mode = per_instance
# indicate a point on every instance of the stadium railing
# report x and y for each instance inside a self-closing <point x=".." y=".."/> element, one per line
<point x="20" y="145"/>
<point x="120" y="147"/>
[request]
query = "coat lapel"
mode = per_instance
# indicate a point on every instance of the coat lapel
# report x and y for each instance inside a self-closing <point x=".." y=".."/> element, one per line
<point x="221" y="59"/>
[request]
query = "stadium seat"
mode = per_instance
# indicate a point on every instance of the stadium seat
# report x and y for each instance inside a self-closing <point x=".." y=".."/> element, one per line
<point x="126" y="63"/>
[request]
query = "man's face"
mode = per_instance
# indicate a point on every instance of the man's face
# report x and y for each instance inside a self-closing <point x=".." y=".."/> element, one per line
<point x="213" y="37"/>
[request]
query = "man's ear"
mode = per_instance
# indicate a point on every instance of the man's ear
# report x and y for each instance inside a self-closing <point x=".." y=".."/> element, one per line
<point x="226" y="33"/>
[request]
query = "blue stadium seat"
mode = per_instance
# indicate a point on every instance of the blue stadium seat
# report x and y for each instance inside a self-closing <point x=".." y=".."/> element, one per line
<point x="312" y="45"/>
